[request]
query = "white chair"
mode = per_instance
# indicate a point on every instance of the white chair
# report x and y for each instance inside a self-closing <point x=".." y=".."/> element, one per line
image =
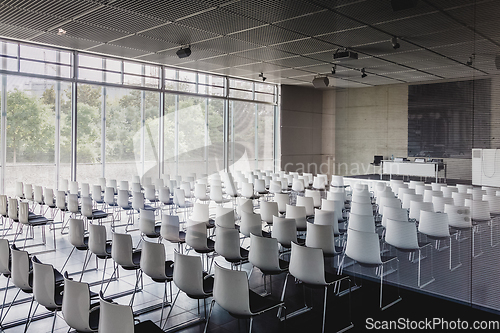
<point x="170" y="230"/>
<point x="78" y="312"/>
<point x="268" y="209"/>
<point x="251" y="223"/>
<point x="147" y="224"/>
<point x="232" y="293"/>
<point x="364" y="248"/>
<point x="228" y="246"/>
<point x="196" y="237"/>
<point x="114" y="317"/>
<point x="308" y="203"/>
<point x="363" y="223"/>
<point x="298" y="213"/>
<point x="321" y="237"/>
<point x="307" y="265"/>
<point x="408" y="198"/>
<point x="200" y="192"/>
<point x="282" y="199"/>
<point x="439" y="202"/>
<point x="316" y="195"/>
<point x="285" y="232"/>
<point x="416" y="207"/>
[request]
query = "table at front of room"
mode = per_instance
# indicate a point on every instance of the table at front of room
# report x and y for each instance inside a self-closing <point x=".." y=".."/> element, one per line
<point x="407" y="168"/>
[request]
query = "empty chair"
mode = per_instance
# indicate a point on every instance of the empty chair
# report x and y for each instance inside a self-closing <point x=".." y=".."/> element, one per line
<point x="232" y="293"/>
<point x="164" y="198"/>
<point x="99" y="245"/>
<point x="216" y="195"/>
<point x="77" y="238"/>
<point x="170" y="230"/>
<point x="21" y="274"/>
<point x="260" y="187"/>
<point x="85" y="190"/>
<point x="480" y="214"/>
<point x="196" y="237"/>
<point x="136" y="187"/>
<point x="321" y="237"/>
<point x="416" y="207"/>
<point x="200" y="192"/>
<point x="396" y="214"/>
<point x="388" y="202"/>
<point x="361" y="222"/>
<point x="102" y="182"/>
<point x="78" y="312"/>
<point x="319" y="183"/>
<point x="282" y="199"/>
<point x="459" y="198"/>
<point x="224" y="217"/>
<point x="147" y="224"/>
<point x="428" y="194"/>
<point x="190" y="278"/>
<point x="308" y="203"/>
<point x="316" y="195"/>
<point x="403" y="236"/>
<point x="114" y="317"/>
<point x="419" y="189"/>
<point x="92" y="214"/>
<point x="155" y="265"/>
<point x="494" y="203"/>
<point x="264" y="254"/>
<point x="73" y="187"/>
<point x="247" y="191"/>
<point x="124" y="185"/>
<point x="439" y="202"/>
<point x="150" y="194"/>
<point x="362" y="208"/>
<point x="268" y="209"/>
<point x="437" y="186"/>
<point x="251" y="223"/>
<point x="448" y="190"/>
<point x="114" y="184"/>
<point x="307" y="265"/>
<point x="228" y="246"/>
<point x="364" y="248"/>
<point x="20" y="190"/>
<point x="285" y="232"/>
<point x="408" y="198"/>
<point x="414" y="183"/>
<point x="327" y="217"/>
<point x="298" y="213"/>
<point x="333" y="205"/>
<point x="275" y="187"/>
<point x="463" y="188"/>
<point x="96" y="194"/>
<point x="403" y="191"/>
<point x="201" y="214"/>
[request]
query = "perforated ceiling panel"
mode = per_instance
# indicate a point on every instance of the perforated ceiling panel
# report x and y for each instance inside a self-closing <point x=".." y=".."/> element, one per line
<point x="292" y="40"/>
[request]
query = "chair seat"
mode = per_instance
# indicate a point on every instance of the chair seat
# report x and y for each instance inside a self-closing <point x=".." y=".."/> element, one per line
<point x="85" y="242"/>
<point x="156" y="233"/>
<point x="259" y="303"/>
<point x="210" y="247"/>
<point x="98" y="214"/>
<point x="283" y="268"/>
<point x="108" y="252"/>
<point x="94" y="316"/>
<point x="37" y="220"/>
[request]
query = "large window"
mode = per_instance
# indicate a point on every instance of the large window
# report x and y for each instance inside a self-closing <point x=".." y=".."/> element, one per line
<point x="206" y="123"/>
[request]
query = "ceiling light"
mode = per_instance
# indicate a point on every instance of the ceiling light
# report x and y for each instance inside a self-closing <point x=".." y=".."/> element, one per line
<point x="363" y="74"/>
<point x="395" y="44"/>
<point x="262" y="76"/>
<point x="334" y="68"/>
<point x="61" y="32"/>
<point x="184" y="53"/>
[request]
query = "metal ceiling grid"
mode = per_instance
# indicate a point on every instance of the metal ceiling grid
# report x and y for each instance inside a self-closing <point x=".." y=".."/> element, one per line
<point x="357" y="36"/>
<point x="91" y="32"/>
<point x="296" y="61"/>
<point x="267" y="35"/>
<point x="303" y="46"/>
<point x="28" y="19"/>
<point x="264" y="54"/>
<point x="64" y="40"/>
<point x="178" y="33"/>
<point x="14" y="31"/>
<point x="261" y="67"/>
<point x="319" y="23"/>
<point x="144" y="43"/>
<point x="118" y="50"/>
<point x="61" y="8"/>
<point x="226" y="44"/>
<point x="227" y="60"/>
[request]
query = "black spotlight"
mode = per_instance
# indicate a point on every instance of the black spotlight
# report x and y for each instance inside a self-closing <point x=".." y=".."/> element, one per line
<point x="334" y="68"/>
<point x="470" y="60"/>
<point x="395" y="44"/>
<point x="261" y="75"/>
<point x="184" y="53"/>
<point x="363" y="74"/>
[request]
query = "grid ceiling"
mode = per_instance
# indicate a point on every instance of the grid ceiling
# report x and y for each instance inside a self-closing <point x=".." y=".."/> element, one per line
<point x="290" y="41"/>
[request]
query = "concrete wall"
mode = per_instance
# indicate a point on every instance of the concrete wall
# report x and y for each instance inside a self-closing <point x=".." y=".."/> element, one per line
<point x="301" y="128"/>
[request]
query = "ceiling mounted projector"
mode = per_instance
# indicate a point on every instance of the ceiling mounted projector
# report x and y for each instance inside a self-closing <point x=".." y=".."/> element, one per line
<point x="320" y="82"/>
<point x="345" y="55"/>
<point x="184" y="53"/>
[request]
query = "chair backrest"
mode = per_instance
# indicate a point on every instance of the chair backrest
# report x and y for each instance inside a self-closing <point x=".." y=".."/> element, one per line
<point x="224" y="217"/>
<point x="13" y="209"/>
<point x="298" y="185"/>
<point x="19" y="189"/>
<point x="414" y="183"/>
<point x="97" y="239"/>
<point x="417" y="206"/>
<point x="114" y="184"/>
<point x="3" y="205"/>
<point x="264" y="253"/>
<point x="61" y="200"/>
<point x="408" y="198"/>
<point x="284" y="230"/>
<point x="169" y="229"/>
<point x="115" y="318"/>
<point x="153" y="260"/>
<point x="458" y="216"/>
<point x="159" y="184"/>
<point x="404" y="190"/>
<point x="196" y="236"/>
<point x="321" y="237"/>
<point x="319" y="183"/>
<point x="298" y="213"/>
<point x="268" y="209"/>
<point x="137" y="200"/>
<point x="307" y="264"/>
<point x="388" y="202"/>
<point x="479" y="209"/>
<point x="364" y="247"/>
<point x="247" y="190"/>
<point x="102" y="182"/>
<point x="244" y="205"/>
<point x="63" y="185"/>
<point x="462" y="188"/>
<point x="44" y="284"/>
<point x="359" y="222"/>
<point x="201" y="213"/>
<point x="73" y="203"/>
<point x="362" y="208"/>
<point x="260" y="186"/>
<point x="28" y="191"/>
<point x="337" y="181"/>
<point x="434" y="224"/>
<point x="200" y="191"/>
<point x="275" y="186"/>
<point x="402" y="235"/>
<point x="38" y="194"/>
<point x="428" y="194"/>
<point x="20" y="269"/>
<point x="186" y="187"/>
<point x="188" y="274"/>
<point x="315" y="195"/>
<point x="136" y="187"/>
<point x="48" y="197"/>
<point x="282" y="199"/>
<point x="228" y="243"/>
<point x="459" y="198"/>
<point x="439" y="203"/>
<point x="96" y="192"/>
<point x="124" y="185"/>
<point x="333" y="205"/>
<point x="109" y="195"/>
<point x="179" y="197"/>
<point x="398" y="214"/>
<point x="122" y="249"/>
<point x="164" y="195"/>
<point x="150" y="192"/>
<point x="87" y="207"/>
<point x="231" y="290"/>
<point x="448" y="190"/>
<point x="77" y="233"/>
<point x="493" y="201"/>
<point x="420" y="189"/>
<point x="216" y="193"/>
<point x="327" y="217"/>
<point x="23" y="212"/>
<point x="85" y="190"/>
<point x="73" y="187"/>
<point x="147" y="222"/>
<point x="4" y="256"/>
<point x="251" y="223"/>
<point x="76" y="305"/>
